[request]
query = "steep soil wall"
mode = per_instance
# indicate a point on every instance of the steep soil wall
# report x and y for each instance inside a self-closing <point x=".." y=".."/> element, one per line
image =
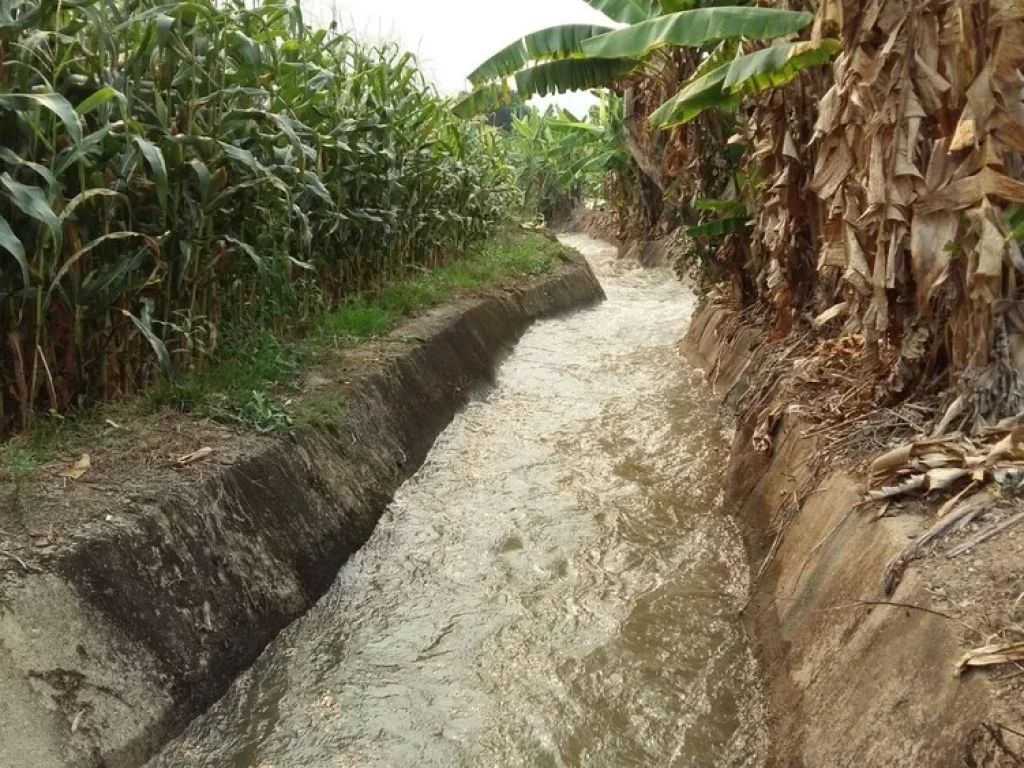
<point x="847" y="683"/>
<point x="145" y="620"/>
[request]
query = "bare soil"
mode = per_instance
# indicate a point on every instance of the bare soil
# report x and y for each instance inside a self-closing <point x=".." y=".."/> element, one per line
<point x="133" y="462"/>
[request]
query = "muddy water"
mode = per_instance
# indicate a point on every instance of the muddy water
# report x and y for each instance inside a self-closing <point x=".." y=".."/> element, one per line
<point x="555" y="587"/>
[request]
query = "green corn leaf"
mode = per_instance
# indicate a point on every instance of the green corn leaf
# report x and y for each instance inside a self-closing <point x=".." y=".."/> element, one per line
<point x="27" y="19"/>
<point x="90" y="145"/>
<point x="32" y="201"/>
<point x="87" y="195"/>
<point x="98" y="99"/>
<point x="243" y="156"/>
<point x="98" y="282"/>
<point x="54" y="102"/>
<point x="44" y="173"/>
<point x="91" y="245"/>
<point x="164" y="29"/>
<point x="317" y="187"/>
<point x="251" y="50"/>
<point x="10" y="243"/>
<point x="155" y="159"/>
<point x="203" y="177"/>
<point x="245" y="248"/>
<point x="144" y="323"/>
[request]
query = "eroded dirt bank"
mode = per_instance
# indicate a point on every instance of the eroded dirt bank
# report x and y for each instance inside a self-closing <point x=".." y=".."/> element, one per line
<point x="140" y="622"/>
<point x="848" y="683"/>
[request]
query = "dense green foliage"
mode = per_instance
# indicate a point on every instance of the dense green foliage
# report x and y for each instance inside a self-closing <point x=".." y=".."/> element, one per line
<point x="172" y="173"/>
<point x="561" y="161"/>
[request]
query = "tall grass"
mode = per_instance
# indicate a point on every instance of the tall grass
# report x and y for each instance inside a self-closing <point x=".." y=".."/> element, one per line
<point x="171" y="170"/>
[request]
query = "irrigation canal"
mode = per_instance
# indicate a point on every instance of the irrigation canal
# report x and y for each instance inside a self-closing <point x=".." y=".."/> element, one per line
<point x="556" y="586"/>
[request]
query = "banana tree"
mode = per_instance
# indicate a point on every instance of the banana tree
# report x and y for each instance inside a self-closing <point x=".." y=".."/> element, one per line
<point x="581" y="57"/>
<point x="562" y="160"/>
<point x="727" y="61"/>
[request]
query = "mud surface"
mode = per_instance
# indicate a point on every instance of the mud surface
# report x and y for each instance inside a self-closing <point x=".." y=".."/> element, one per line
<point x="557" y="585"/>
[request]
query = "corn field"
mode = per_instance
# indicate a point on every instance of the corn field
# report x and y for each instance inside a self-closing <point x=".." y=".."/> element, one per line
<point x="167" y="170"/>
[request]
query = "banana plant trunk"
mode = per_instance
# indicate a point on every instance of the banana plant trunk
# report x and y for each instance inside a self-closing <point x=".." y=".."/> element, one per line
<point x="649" y="161"/>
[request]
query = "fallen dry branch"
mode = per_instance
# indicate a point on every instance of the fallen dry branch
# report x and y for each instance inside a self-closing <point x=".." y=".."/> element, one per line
<point x="964" y="512"/>
<point x="985" y="535"/>
<point x="995" y="730"/>
<point x="908" y="606"/>
<point x="27" y="567"/>
<point x="189" y="458"/>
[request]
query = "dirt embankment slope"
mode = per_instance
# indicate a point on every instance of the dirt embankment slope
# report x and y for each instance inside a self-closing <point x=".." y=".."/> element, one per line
<point x="850" y="681"/>
<point x="136" y="621"/>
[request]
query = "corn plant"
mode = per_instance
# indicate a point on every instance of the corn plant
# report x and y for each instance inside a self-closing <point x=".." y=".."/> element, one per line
<point x="168" y="170"/>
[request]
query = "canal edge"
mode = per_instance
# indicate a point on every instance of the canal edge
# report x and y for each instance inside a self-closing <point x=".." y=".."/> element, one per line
<point x="847" y="680"/>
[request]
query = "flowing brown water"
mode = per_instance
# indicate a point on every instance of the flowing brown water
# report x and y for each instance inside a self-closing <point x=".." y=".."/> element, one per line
<point x="556" y="586"/>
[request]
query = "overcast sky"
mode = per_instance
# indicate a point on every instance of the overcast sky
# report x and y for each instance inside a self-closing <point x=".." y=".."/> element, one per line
<point x="452" y="37"/>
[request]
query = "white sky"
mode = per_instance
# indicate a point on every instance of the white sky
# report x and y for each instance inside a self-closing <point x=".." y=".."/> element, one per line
<point x="451" y="37"/>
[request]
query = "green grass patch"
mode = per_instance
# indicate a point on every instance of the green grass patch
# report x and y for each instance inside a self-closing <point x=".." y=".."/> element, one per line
<point x="238" y="389"/>
<point x="356" y="319"/>
<point x="19" y="461"/>
<point x="511" y="253"/>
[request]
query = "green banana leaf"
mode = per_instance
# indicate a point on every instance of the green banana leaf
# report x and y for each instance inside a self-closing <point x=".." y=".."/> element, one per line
<point x="696" y="28"/>
<point x="625" y="11"/>
<point x="552" y="77"/>
<point x="562" y="42"/>
<point x="777" y="65"/>
<point x="697" y="95"/>
<point x="735" y="207"/>
<point x="719" y="227"/>
<point x="723" y="87"/>
<point x="572" y="75"/>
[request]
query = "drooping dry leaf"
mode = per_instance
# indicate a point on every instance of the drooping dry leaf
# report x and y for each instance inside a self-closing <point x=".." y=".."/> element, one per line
<point x="930" y="237"/>
<point x="989" y="655"/>
<point x="189" y="458"/>
<point x="78" y="468"/>
<point x="970" y="191"/>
